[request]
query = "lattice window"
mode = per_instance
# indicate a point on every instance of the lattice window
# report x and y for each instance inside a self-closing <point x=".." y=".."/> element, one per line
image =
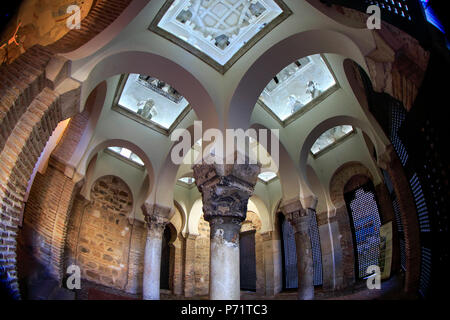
<point x="316" y="251"/>
<point x="421" y="206"/>
<point x="397" y="7"/>
<point x="290" y="256"/>
<point x="398" y="116"/>
<point x="425" y="272"/>
<point x="366" y="227"/>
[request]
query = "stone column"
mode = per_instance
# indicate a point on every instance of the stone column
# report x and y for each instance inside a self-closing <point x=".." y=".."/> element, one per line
<point x="225" y="192"/>
<point x="300" y="219"/>
<point x="157" y="218"/>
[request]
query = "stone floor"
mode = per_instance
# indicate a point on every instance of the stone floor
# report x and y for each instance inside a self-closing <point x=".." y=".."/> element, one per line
<point x="390" y="290"/>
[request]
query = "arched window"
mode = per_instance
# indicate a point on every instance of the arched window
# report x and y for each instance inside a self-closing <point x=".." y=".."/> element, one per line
<point x="290" y="273"/>
<point x="365" y="222"/>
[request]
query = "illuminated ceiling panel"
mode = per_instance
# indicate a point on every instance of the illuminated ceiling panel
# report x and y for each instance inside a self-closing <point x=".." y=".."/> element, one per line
<point x="267" y="176"/>
<point x="331" y="137"/>
<point x="187" y="180"/>
<point x="218" y="31"/>
<point x="152" y="100"/>
<point x="127" y="154"/>
<point x="297" y="87"/>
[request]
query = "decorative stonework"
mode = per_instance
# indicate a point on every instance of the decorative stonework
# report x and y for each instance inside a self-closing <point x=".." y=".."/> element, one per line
<point x="156" y="217"/>
<point x="226" y="189"/>
<point x="218" y="31"/>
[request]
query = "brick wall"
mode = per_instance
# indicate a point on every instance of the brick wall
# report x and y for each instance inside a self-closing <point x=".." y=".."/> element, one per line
<point x="30" y="109"/>
<point x="72" y="136"/>
<point x="136" y="258"/>
<point x="46" y="217"/>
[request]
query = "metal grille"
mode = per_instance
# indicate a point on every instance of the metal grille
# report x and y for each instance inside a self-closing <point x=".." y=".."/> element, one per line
<point x="247" y="256"/>
<point x="419" y="199"/>
<point x="366" y="224"/>
<point x="397" y="7"/>
<point x="398" y="116"/>
<point x="402" y="254"/>
<point x="425" y="272"/>
<point x="316" y="251"/>
<point x="290" y="256"/>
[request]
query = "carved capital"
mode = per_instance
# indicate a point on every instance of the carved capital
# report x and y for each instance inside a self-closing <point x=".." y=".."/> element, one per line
<point x="267" y="236"/>
<point x="156" y="217"/>
<point x="156" y="225"/>
<point x="297" y="216"/>
<point x="225" y="188"/>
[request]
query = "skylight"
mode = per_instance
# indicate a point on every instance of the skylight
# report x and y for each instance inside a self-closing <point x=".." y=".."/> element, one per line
<point x="152" y="100"/>
<point x="125" y="153"/>
<point x="217" y="30"/>
<point x="330" y="137"/>
<point x="295" y="87"/>
<point x="267" y="176"/>
<point x="187" y="180"/>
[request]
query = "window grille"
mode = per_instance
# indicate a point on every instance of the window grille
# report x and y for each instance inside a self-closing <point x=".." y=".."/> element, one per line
<point x="366" y="227"/>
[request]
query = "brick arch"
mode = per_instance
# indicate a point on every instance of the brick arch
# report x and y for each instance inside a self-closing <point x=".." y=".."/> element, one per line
<point x="19" y="155"/>
<point x="35" y="95"/>
<point x="344" y="178"/>
<point x="349" y="174"/>
<point x="40" y="67"/>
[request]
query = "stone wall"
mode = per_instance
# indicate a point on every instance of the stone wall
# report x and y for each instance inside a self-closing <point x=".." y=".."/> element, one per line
<point x="100" y="233"/>
<point x="201" y="263"/>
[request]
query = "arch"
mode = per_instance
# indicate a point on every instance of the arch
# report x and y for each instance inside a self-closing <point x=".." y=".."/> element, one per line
<point x="287" y="170"/>
<point x="118" y="17"/>
<point x="161" y="68"/>
<point x="257" y="205"/>
<point x="94" y="105"/>
<point x="183" y="216"/>
<point x="317" y="189"/>
<point x="328" y="124"/>
<point x="341" y="178"/>
<point x="119" y="143"/>
<point x="167" y="176"/>
<point x="194" y="216"/>
<point x="276" y="58"/>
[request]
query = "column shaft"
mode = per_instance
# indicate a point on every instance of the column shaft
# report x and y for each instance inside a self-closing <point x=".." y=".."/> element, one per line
<point x="304" y="266"/>
<point x="156" y="218"/>
<point x="300" y="219"/>
<point x="152" y="266"/>
<point x="224" y="279"/>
